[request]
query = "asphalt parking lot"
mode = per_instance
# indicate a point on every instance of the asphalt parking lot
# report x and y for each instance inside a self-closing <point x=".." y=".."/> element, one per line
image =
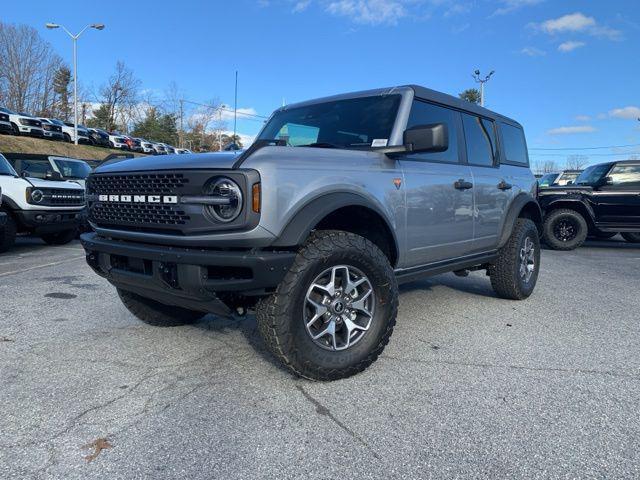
<point x="470" y="385"/>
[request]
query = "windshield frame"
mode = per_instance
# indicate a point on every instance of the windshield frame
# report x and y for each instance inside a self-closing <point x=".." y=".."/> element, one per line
<point x="8" y="168"/>
<point x="397" y="130"/>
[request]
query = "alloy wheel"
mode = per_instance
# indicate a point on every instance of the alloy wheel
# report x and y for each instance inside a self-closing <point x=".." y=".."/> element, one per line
<point x="339" y="307"/>
<point x="527" y="259"/>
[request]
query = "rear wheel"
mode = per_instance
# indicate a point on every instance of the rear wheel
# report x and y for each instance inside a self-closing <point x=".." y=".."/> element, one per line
<point x="335" y="310"/>
<point x="16" y="130"/>
<point x="565" y="229"/>
<point x="67" y="138"/>
<point x="156" y="313"/>
<point x="515" y="273"/>
<point x="60" y="238"/>
<point x="8" y="234"/>
<point x="632" y="237"/>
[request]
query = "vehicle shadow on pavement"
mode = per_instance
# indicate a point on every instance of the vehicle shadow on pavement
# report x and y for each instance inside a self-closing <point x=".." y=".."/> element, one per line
<point x="473" y="284"/>
<point x="248" y="327"/>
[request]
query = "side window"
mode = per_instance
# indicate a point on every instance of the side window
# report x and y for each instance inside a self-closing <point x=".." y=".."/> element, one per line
<point x="515" y="148"/>
<point x="481" y="140"/>
<point x="626" y="175"/>
<point x="423" y="113"/>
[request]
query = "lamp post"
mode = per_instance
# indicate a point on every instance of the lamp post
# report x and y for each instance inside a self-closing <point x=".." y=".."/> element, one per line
<point x="97" y="26"/>
<point x="476" y="76"/>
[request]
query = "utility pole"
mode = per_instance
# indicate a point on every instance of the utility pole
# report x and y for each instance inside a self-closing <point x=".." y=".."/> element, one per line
<point x="97" y="26"/>
<point x="181" y="135"/>
<point x="476" y="76"/>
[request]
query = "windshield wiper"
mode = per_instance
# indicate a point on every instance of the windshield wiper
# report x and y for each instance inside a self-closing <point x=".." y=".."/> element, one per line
<point x="321" y="145"/>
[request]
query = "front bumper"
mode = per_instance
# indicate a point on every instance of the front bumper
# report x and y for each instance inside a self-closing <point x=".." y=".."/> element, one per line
<point x="49" y="221"/>
<point x="53" y="135"/>
<point x="28" y="130"/>
<point x="185" y="277"/>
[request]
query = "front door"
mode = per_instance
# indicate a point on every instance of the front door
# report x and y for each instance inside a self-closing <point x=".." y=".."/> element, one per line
<point x="439" y="198"/>
<point x="618" y="204"/>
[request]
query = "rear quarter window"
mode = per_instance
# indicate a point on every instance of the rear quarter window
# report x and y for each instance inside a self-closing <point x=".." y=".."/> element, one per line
<point x="515" y="146"/>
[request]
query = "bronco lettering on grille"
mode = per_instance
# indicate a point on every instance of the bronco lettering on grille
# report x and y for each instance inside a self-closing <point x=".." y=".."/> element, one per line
<point x="171" y="199"/>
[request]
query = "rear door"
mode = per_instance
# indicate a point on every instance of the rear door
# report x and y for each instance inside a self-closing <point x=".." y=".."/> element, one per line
<point x="618" y="204"/>
<point x="439" y="198"/>
<point x="492" y="188"/>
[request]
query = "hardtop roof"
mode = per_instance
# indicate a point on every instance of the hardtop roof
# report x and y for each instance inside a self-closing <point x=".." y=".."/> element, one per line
<point x="420" y="92"/>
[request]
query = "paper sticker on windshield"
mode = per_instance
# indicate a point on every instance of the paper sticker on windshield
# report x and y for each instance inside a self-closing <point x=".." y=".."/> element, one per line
<point x="379" y="142"/>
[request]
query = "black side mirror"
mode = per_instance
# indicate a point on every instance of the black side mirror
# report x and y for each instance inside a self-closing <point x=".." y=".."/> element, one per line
<point x="53" y="175"/>
<point x="427" y="138"/>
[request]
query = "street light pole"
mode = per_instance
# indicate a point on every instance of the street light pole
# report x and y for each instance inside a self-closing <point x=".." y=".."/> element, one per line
<point x="476" y="76"/>
<point x="74" y="38"/>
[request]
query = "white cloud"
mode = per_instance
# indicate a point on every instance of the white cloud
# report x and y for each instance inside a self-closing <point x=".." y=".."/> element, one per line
<point x="583" y="118"/>
<point x="301" y="6"/>
<point x="533" y="52"/>
<point x="570" y="46"/>
<point x="577" y="23"/>
<point x="458" y="9"/>
<point x="627" y="113"/>
<point x="509" y="6"/>
<point x="571" y="130"/>
<point x="369" y="12"/>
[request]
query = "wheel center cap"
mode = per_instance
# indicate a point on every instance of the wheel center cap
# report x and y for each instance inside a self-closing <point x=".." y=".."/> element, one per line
<point x="338" y="306"/>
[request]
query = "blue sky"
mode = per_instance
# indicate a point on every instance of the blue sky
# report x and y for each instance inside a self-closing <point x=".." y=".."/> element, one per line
<point x="567" y="70"/>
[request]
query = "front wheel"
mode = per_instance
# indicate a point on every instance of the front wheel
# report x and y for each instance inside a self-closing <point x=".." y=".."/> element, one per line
<point x="631" y="237"/>
<point x="335" y="310"/>
<point x="157" y="314"/>
<point x="515" y="273"/>
<point x="565" y="229"/>
<point x="60" y="238"/>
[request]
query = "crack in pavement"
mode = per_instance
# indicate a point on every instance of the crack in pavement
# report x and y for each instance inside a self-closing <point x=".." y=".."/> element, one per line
<point x="516" y="367"/>
<point x="324" y="411"/>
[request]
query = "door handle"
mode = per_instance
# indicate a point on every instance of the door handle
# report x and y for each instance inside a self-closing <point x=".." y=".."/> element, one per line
<point x="462" y="184"/>
<point x="504" y="185"/>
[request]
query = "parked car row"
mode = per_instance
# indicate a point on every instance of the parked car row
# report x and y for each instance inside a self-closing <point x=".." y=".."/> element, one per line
<point x="21" y="123"/>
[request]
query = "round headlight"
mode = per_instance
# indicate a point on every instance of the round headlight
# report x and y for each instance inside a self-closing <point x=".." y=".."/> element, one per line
<point x="37" y="196"/>
<point x="229" y="191"/>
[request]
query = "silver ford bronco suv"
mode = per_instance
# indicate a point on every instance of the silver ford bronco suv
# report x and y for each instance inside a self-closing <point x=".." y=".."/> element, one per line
<point x="337" y="201"/>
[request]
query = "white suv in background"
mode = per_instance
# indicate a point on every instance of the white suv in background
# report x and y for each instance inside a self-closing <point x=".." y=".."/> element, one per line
<point x="147" y="147"/>
<point x="23" y="123"/>
<point x="69" y="133"/>
<point x="118" y="141"/>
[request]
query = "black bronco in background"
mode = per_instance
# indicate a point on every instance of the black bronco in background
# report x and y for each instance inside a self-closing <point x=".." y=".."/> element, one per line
<point x="603" y="201"/>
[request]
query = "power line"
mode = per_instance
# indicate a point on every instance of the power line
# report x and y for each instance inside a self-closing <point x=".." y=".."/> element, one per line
<point x="586" y="154"/>
<point x="588" y="148"/>
<point x="253" y="116"/>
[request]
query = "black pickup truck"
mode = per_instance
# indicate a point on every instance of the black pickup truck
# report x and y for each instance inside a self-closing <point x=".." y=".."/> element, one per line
<point x="603" y="201"/>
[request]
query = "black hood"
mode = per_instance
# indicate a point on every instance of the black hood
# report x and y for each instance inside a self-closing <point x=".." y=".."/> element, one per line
<point x="191" y="161"/>
<point x="565" y="189"/>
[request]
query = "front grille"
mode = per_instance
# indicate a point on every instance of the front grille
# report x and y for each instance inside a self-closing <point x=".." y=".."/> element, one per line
<point x="150" y="184"/>
<point x="57" y="197"/>
<point x="138" y="214"/>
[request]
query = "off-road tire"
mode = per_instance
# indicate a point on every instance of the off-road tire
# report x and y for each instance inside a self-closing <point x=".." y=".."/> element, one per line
<point x="157" y="314"/>
<point x="60" y="238"/>
<point x="280" y="316"/>
<point x="67" y="137"/>
<point x="631" y="237"/>
<point x="579" y="223"/>
<point x="8" y="234"/>
<point x="505" y="272"/>
<point x="15" y="129"/>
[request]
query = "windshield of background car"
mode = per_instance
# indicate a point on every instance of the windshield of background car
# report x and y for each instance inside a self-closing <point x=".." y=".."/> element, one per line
<point x="73" y="169"/>
<point x="548" y="179"/>
<point x="6" y="168"/>
<point x="592" y="174"/>
<point x="350" y="123"/>
<point x="5" y="110"/>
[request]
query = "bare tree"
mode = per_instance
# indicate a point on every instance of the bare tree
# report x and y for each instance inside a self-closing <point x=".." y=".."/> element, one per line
<point x="28" y="66"/>
<point x="576" y="162"/>
<point x="119" y="98"/>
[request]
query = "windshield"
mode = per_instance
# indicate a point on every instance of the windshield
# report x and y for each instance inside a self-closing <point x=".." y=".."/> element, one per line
<point x="592" y="174"/>
<point x="6" y="168"/>
<point x="5" y="110"/>
<point x="350" y="123"/>
<point x="548" y="179"/>
<point x="58" y="122"/>
<point x="74" y="169"/>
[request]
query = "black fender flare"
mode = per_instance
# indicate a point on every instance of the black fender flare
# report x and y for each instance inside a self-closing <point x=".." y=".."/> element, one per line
<point x="307" y="217"/>
<point x="8" y="204"/>
<point x="523" y="200"/>
<point x="591" y="215"/>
